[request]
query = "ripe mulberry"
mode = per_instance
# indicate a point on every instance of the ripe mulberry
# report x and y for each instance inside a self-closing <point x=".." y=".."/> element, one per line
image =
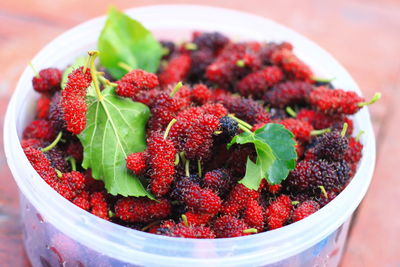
<point x="48" y="80"/>
<point x="161" y="161"/>
<point x="331" y="146"/>
<point x="288" y="93"/>
<point x="304" y="210"/>
<point x="176" y="70"/>
<point x="335" y="101"/>
<point x="40" y="129"/>
<point x="142" y="209"/>
<point x="73" y="100"/>
<point x="135" y="81"/>
<point x="278" y="212"/>
<point x="257" y="83"/>
<point x="99" y="206"/>
<point x="229" y="226"/>
<point x="291" y="64"/>
<point x="136" y="162"/>
<point x="43" y="107"/>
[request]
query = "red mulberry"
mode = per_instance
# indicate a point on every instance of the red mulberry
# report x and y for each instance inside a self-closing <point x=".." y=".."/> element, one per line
<point x="40" y="129"/>
<point x="73" y="100"/>
<point x="136" y="162"/>
<point x="254" y="215"/>
<point x="176" y="70"/>
<point x="200" y="94"/>
<point x="257" y="83"/>
<point x="278" y="212"/>
<point x="161" y="161"/>
<point x="43" y="107"/>
<point x="336" y="101"/>
<point x="288" y="93"/>
<point x="99" y="206"/>
<point x="82" y="200"/>
<point x="291" y="64"/>
<point x="229" y="226"/>
<point x="135" y="81"/>
<point x="142" y="209"/>
<point x="305" y="209"/>
<point x="48" y="80"/>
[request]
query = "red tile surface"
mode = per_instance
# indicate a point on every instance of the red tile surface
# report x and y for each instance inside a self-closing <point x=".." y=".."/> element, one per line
<point x="364" y="35"/>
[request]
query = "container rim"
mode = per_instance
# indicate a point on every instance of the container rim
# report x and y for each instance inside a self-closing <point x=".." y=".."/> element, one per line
<point x="125" y="244"/>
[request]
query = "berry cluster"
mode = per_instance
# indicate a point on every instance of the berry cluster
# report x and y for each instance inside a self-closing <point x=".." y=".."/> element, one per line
<point x="201" y="96"/>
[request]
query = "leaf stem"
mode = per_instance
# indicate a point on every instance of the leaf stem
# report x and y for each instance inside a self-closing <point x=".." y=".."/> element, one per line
<point x="375" y="98"/>
<point x="54" y="143"/>
<point x="92" y="57"/>
<point x="185" y="220"/>
<point x="250" y="231"/>
<point x="125" y="66"/>
<point x="245" y="129"/>
<point x="245" y="124"/>
<point x="199" y="167"/>
<point x="34" y="70"/>
<point x="169" y="128"/>
<point x="357" y="138"/>
<point x="177" y="87"/>
<point x="72" y="161"/>
<point x="106" y="81"/>
<point x="187" y="171"/>
<point x="291" y="112"/>
<point x="319" y="132"/>
<point x="344" y="130"/>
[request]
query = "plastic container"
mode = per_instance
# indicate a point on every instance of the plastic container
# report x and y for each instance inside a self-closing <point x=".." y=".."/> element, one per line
<point x="55" y="230"/>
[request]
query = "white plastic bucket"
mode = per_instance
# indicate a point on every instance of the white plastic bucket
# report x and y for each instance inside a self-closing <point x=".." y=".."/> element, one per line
<point x="318" y="240"/>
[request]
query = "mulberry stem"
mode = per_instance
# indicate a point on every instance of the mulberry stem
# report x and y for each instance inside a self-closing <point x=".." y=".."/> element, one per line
<point x="191" y="46"/>
<point x="187" y="172"/>
<point x="240" y="63"/>
<point x="59" y="174"/>
<point x="176" y="162"/>
<point x="177" y="87"/>
<point x="54" y="143"/>
<point x="125" y="66"/>
<point x="291" y="112"/>
<point x="322" y="80"/>
<point x="357" y="138"/>
<point x="247" y="130"/>
<point x="323" y="191"/>
<point x="92" y="57"/>
<point x="250" y="230"/>
<point x="72" y="161"/>
<point x="199" y="167"/>
<point x="150" y="225"/>
<point x="319" y="132"/>
<point x="169" y="128"/>
<point x="34" y="70"/>
<point x="241" y="122"/>
<point x="375" y="98"/>
<point x="295" y="202"/>
<point x="185" y="220"/>
<point x="344" y="130"/>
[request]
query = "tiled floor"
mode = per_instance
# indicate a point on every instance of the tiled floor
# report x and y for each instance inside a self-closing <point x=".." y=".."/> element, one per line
<point x="364" y="35"/>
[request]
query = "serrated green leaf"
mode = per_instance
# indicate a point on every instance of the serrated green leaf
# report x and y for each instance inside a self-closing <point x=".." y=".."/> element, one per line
<point x="124" y="39"/>
<point x="115" y="127"/>
<point x="79" y="62"/>
<point x="276" y="154"/>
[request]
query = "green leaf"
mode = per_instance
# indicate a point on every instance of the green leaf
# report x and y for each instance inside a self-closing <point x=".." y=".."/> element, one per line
<point x="79" y="62"/>
<point x="124" y="39"/>
<point x="115" y="127"/>
<point x="276" y="155"/>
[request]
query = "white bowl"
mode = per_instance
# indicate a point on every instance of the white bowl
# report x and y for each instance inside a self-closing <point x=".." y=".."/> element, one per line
<point x="318" y="239"/>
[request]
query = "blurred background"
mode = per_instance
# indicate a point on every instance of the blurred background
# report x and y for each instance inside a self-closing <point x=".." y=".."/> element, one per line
<point x="364" y="35"/>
